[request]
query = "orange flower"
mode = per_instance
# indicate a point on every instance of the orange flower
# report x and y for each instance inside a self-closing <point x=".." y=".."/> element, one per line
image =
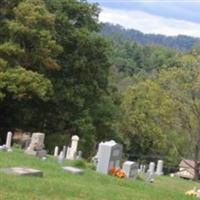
<point x="118" y="172"/>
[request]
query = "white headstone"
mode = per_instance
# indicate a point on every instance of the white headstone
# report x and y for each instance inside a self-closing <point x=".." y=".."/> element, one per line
<point x="95" y="158"/>
<point x="131" y="169"/>
<point x="149" y="177"/>
<point x="79" y="155"/>
<point x="99" y="149"/>
<point x="142" y="168"/>
<point x="37" y="141"/>
<point x="36" y="146"/>
<point x="73" y="148"/>
<point x="68" y="152"/>
<point x="159" y="168"/>
<point x="64" y="150"/>
<point x="56" y="150"/>
<point x="151" y="168"/>
<point x="61" y="157"/>
<point x="198" y="193"/>
<point x="9" y="140"/>
<point x="109" y="156"/>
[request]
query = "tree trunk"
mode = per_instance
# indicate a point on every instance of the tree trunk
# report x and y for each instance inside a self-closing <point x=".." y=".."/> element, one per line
<point x="196" y="167"/>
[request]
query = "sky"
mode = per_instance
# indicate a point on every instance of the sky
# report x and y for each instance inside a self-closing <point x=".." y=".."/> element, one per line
<point x="168" y="17"/>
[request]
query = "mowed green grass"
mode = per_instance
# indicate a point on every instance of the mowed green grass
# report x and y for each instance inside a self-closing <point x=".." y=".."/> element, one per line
<point x="59" y="185"/>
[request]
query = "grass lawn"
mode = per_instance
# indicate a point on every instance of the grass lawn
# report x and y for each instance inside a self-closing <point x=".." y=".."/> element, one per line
<point x="59" y="185"/>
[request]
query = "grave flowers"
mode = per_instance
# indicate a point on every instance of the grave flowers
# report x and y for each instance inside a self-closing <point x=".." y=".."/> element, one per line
<point x="118" y="172"/>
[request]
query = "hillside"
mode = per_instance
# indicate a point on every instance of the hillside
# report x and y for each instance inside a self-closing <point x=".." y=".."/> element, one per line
<point x="58" y="185"/>
<point x="181" y="42"/>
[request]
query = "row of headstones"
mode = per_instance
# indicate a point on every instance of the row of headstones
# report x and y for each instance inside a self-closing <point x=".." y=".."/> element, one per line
<point x="37" y="144"/>
<point x="158" y="171"/>
<point x="151" y="172"/>
<point x="131" y="169"/>
<point x="109" y="155"/>
<point x="69" y="153"/>
<point x="35" y="147"/>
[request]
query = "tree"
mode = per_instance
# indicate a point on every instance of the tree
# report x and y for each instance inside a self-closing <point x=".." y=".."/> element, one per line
<point x="82" y="81"/>
<point x="163" y="112"/>
<point x="28" y="50"/>
<point x="147" y="118"/>
<point x="183" y="86"/>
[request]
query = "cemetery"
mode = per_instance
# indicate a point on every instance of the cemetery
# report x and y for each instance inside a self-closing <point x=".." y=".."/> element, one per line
<point x="67" y="174"/>
<point x="99" y="100"/>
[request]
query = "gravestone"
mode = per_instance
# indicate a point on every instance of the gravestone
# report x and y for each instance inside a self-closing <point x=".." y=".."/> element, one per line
<point x="131" y="169"/>
<point x="37" y="141"/>
<point x="61" y="157"/>
<point x="26" y="143"/>
<point x="73" y="170"/>
<point x="21" y="171"/>
<point x="8" y="140"/>
<point x="198" y="193"/>
<point x="152" y="167"/>
<point x="79" y="155"/>
<point x="36" y="146"/>
<point x="64" y="150"/>
<point x="150" y="173"/>
<point x="149" y="177"/>
<point x="68" y="152"/>
<point x="109" y="156"/>
<point x="142" y="168"/>
<point x="56" y="150"/>
<point x="159" y="168"/>
<point x="95" y="158"/>
<point x="73" y="149"/>
<point x="3" y="148"/>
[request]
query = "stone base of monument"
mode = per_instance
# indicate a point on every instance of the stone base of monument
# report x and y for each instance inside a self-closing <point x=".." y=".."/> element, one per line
<point x="38" y="153"/>
<point x="159" y="174"/>
<point x="41" y="153"/>
<point x="4" y="148"/>
<point x="21" y="171"/>
<point x="149" y="177"/>
<point x="73" y="170"/>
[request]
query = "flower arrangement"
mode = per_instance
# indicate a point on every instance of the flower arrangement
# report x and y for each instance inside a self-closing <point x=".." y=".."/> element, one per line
<point x="118" y="172"/>
<point x="193" y="193"/>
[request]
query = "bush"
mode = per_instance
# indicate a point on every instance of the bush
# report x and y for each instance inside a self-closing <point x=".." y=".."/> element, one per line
<point x="80" y="164"/>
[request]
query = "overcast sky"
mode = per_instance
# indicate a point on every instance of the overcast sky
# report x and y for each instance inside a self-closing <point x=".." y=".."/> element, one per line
<point x="154" y="16"/>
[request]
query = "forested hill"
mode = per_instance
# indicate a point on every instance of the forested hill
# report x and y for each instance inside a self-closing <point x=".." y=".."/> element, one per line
<point x="181" y="42"/>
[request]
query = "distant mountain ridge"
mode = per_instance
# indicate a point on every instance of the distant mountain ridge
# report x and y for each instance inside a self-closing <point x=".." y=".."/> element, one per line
<point x="180" y="42"/>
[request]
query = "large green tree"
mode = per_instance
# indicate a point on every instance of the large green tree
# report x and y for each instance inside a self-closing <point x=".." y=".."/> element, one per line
<point x="162" y="115"/>
<point x="81" y="84"/>
<point x="147" y="118"/>
<point x="183" y="85"/>
<point x="28" y="50"/>
<point x="62" y="66"/>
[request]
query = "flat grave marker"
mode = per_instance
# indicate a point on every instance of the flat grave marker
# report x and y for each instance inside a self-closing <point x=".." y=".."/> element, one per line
<point x="22" y="171"/>
<point x="73" y="170"/>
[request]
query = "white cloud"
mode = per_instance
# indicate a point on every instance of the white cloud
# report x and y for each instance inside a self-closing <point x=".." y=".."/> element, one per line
<point x="149" y="23"/>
